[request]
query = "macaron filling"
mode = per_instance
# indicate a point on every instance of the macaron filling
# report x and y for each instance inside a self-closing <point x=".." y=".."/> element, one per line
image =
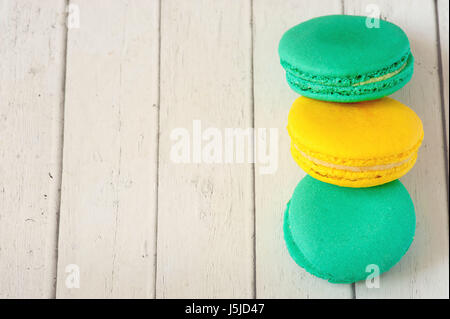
<point x="351" y="87"/>
<point x="349" y="80"/>
<point x="356" y="176"/>
<point x="354" y="172"/>
<point x="355" y="168"/>
<point x="383" y="77"/>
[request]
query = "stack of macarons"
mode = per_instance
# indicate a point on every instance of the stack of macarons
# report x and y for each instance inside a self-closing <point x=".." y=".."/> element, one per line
<point x="350" y="214"/>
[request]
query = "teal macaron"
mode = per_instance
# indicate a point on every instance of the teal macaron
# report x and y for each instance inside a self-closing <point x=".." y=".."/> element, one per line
<point x="344" y="58"/>
<point x="339" y="233"/>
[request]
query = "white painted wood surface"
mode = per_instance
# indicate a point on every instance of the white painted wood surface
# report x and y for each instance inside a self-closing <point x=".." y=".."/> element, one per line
<point x="32" y="41"/>
<point x="277" y="275"/>
<point x="108" y="204"/>
<point x="423" y="271"/>
<point x="205" y="211"/>
<point x="136" y="223"/>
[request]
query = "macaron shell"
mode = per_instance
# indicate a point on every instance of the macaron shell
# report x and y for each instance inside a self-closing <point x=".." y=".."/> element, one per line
<point x="345" y="58"/>
<point x="342" y="45"/>
<point x="295" y="252"/>
<point x="336" y="232"/>
<point x="363" y="134"/>
<point x="354" y="145"/>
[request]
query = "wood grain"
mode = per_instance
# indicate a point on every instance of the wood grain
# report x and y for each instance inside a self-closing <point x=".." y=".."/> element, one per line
<point x="32" y="41"/>
<point x="205" y="211"/>
<point x="142" y="229"/>
<point x="277" y="275"/>
<point x="108" y="204"/>
<point x="423" y="271"/>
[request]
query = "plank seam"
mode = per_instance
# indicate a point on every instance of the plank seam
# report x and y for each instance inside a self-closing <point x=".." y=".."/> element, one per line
<point x="441" y="91"/>
<point x="157" y="152"/>
<point x="61" y="152"/>
<point x="252" y="99"/>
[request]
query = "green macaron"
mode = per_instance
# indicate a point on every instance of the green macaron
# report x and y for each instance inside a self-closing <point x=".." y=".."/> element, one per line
<point x="345" y="58"/>
<point x="339" y="233"/>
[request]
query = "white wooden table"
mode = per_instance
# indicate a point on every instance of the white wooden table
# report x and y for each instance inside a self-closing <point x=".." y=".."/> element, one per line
<point x="86" y="114"/>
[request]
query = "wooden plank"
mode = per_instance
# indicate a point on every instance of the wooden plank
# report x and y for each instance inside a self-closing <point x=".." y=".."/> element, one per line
<point x="108" y="203"/>
<point x="442" y="8"/>
<point x="31" y="95"/>
<point x="205" y="211"/>
<point x="423" y="272"/>
<point x="277" y="275"/>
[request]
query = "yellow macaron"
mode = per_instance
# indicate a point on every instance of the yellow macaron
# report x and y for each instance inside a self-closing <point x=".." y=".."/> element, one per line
<point x="354" y="145"/>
